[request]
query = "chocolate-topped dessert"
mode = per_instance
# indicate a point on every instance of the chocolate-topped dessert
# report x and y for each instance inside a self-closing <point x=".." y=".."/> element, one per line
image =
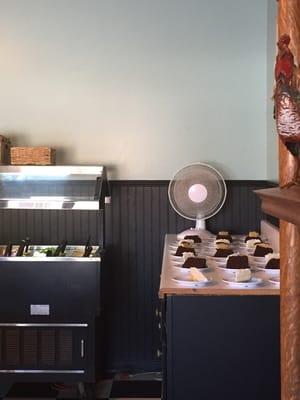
<point x="223" y="252"/>
<point x="195" y="262"/>
<point x="224" y="235"/>
<point x="251" y="243"/>
<point x="195" y="238"/>
<point x="186" y="242"/>
<point x="184" y="249"/>
<point x="252" y="235"/>
<point x="237" y="261"/>
<point x="262" y="249"/>
<point x="274" y="263"/>
<point x="219" y="241"/>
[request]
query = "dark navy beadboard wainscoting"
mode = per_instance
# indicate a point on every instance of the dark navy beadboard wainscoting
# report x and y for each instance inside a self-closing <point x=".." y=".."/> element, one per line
<point x="136" y="221"/>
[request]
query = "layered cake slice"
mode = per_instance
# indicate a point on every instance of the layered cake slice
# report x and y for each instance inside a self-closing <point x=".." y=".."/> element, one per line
<point x="195" y="238"/>
<point x="252" y="235"/>
<point x="185" y="246"/>
<point x="237" y="261"/>
<point x="218" y="241"/>
<point x="272" y="261"/>
<point x="224" y="235"/>
<point x="223" y="250"/>
<point x="262" y="249"/>
<point x="186" y="242"/>
<point x="251" y="243"/>
<point x="190" y="261"/>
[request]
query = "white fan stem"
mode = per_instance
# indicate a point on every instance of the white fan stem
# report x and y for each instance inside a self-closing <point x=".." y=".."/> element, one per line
<point x="200" y="224"/>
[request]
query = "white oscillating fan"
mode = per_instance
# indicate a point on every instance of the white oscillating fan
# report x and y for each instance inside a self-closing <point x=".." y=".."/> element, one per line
<point x="197" y="192"/>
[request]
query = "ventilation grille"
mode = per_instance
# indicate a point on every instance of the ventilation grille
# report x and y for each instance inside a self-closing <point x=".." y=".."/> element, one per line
<point x="30" y="347"/>
<point x="36" y="348"/>
<point x="65" y="341"/>
<point x="12" y="347"/>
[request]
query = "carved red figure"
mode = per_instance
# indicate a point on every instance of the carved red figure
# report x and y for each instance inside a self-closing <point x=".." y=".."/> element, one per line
<point x="287" y="100"/>
<point x="284" y="67"/>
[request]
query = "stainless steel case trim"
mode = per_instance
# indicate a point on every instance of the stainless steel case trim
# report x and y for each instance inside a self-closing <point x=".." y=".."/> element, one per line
<point x="41" y="371"/>
<point x="28" y="204"/>
<point x="50" y="259"/>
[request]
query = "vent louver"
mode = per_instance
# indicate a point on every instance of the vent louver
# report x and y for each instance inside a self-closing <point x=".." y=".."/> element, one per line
<point x="12" y="346"/>
<point x="38" y="348"/>
<point x="30" y="347"/>
<point x="65" y="346"/>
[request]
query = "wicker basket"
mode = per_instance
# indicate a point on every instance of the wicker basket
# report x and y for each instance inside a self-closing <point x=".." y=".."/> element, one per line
<point x="32" y="156"/>
<point x="4" y="150"/>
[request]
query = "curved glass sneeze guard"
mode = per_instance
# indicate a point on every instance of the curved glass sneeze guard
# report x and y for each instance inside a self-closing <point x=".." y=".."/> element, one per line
<point x="52" y="187"/>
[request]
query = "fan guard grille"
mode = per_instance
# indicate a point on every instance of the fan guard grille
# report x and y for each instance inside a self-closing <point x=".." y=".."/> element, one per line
<point x="195" y="174"/>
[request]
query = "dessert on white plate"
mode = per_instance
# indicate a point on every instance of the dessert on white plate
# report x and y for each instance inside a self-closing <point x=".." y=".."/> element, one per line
<point x="194" y="278"/>
<point x="197" y="275"/>
<point x="242" y="275"/>
<point x="275" y="280"/>
<point x="251" y="243"/>
<point x="218" y="241"/>
<point x="271" y="263"/>
<point x="190" y="261"/>
<point x="252" y="282"/>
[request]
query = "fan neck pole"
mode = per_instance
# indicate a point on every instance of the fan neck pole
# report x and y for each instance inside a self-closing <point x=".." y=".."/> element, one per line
<point x="200" y="224"/>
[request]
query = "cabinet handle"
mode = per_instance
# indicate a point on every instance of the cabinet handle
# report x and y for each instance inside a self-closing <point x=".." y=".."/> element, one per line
<point x="158" y="353"/>
<point x="157" y="313"/>
<point x="159" y="325"/>
<point x="82" y="348"/>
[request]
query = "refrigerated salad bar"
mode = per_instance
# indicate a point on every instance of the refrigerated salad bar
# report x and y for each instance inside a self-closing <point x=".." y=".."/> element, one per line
<point x="50" y="293"/>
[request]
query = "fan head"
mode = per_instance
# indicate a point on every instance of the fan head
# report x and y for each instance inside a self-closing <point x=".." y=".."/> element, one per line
<point x="197" y="191"/>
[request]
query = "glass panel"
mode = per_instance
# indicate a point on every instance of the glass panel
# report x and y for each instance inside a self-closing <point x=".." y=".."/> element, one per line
<point x="50" y="187"/>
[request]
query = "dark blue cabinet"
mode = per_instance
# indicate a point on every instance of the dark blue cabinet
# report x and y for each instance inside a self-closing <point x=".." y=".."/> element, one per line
<point x="221" y="347"/>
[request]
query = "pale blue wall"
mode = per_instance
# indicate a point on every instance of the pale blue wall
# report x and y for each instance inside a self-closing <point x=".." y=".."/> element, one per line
<point x="144" y="85"/>
<point x="272" y="138"/>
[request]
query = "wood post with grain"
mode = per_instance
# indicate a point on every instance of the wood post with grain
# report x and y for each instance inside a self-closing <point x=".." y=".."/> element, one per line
<point x="289" y="23"/>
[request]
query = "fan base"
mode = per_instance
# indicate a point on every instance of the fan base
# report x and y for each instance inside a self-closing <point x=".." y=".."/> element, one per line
<point x="203" y="233"/>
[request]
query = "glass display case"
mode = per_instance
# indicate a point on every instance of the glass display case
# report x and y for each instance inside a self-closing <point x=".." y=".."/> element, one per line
<point x="53" y="187"/>
<point x="50" y="292"/>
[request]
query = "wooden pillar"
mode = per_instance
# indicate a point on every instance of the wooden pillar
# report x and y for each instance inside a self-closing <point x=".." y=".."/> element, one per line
<point x="289" y="22"/>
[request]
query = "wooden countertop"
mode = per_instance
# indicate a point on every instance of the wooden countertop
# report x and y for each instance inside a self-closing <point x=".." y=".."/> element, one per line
<point x="218" y="288"/>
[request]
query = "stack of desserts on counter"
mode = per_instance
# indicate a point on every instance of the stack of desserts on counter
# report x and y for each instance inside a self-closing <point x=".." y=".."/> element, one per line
<point x="224" y="235"/>
<point x="223" y="250"/>
<point x="262" y="251"/>
<point x="253" y="235"/>
<point x="241" y="253"/>
<point x="186" y="250"/>
<point x="223" y="244"/>
<point x="256" y="245"/>
<point x="185" y="246"/>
